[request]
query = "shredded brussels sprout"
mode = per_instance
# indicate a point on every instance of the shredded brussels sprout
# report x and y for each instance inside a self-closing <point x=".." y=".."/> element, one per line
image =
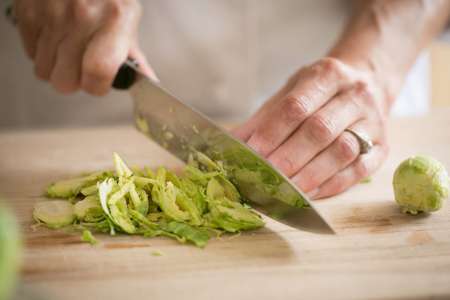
<point x="190" y="207"/>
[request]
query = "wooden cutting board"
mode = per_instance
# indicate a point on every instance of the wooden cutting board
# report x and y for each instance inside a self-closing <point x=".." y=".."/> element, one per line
<point x="377" y="251"/>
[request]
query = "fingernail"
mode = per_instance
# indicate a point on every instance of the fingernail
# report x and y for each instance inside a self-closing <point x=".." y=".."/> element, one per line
<point x="313" y="193"/>
<point x="148" y="70"/>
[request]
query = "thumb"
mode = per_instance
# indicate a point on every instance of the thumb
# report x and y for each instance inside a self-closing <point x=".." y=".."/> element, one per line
<point x="143" y="64"/>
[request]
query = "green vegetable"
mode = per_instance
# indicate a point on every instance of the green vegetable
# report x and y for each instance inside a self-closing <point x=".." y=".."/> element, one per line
<point x="232" y="216"/>
<point x="157" y="253"/>
<point x="10" y="253"/>
<point x="71" y="187"/>
<point x="421" y="184"/>
<point x="197" y="236"/>
<point x="143" y="202"/>
<point x="252" y="176"/>
<point x="165" y="195"/>
<point x="88" y="206"/>
<point x="54" y="213"/>
<point x="121" y="168"/>
<point x="366" y="180"/>
<point x="90" y="190"/>
<point x="88" y="237"/>
<point x="142" y="125"/>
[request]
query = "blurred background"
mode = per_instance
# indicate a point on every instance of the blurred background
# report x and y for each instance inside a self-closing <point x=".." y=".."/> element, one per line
<point x="223" y="57"/>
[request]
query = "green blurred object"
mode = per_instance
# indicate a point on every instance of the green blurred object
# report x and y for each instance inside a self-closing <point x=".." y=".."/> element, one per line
<point x="10" y="247"/>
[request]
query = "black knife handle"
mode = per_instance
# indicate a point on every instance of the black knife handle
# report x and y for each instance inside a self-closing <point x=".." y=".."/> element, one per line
<point x="126" y="75"/>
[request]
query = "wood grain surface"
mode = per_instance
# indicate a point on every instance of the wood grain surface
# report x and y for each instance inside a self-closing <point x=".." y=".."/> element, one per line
<point x="377" y="253"/>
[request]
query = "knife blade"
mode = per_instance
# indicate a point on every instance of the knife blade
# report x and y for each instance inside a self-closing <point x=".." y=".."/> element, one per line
<point x="183" y="131"/>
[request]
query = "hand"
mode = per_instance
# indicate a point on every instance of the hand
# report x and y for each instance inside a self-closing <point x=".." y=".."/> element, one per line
<point x="80" y="44"/>
<point x="300" y="129"/>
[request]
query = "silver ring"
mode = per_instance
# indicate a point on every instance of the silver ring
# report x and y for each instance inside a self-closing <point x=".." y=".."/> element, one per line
<point x="365" y="144"/>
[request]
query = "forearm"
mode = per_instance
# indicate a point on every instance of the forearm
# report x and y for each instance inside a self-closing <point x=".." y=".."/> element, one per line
<point x="385" y="36"/>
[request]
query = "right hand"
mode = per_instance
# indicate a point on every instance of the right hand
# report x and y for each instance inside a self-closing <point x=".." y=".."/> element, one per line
<point x="80" y="44"/>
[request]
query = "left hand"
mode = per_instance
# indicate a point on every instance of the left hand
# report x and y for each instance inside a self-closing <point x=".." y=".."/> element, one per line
<point x="300" y="129"/>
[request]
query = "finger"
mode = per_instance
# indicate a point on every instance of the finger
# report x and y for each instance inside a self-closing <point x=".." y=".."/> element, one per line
<point x="245" y="131"/>
<point x="109" y="47"/>
<point x="45" y="57"/>
<point x="143" y="64"/>
<point x="66" y="74"/>
<point x="84" y="21"/>
<point x="102" y="59"/>
<point x="29" y="27"/>
<point x="104" y="55"/>
<point x="361" y="168"/>
<point x="343" y="151"/>
<point x="315" y="86"/>
<point x="54" y="31"/>
<point x="317" y="133"/>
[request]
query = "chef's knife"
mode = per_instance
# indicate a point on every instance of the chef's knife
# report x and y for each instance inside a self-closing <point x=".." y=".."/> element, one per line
<point x="183" y="131"/>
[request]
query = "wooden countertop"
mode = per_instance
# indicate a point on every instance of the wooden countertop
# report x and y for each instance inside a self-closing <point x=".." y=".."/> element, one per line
<point x="377" y="251"/>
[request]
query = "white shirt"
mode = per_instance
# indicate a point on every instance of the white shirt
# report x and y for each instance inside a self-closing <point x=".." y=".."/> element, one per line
<point x="225" y="57"/>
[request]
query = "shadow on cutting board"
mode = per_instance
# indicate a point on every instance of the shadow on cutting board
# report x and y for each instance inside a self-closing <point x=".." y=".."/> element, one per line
<point x="377" y="217"/>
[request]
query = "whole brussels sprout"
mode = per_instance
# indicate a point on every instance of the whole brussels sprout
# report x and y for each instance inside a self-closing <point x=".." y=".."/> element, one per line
<point x="421" y="184"/>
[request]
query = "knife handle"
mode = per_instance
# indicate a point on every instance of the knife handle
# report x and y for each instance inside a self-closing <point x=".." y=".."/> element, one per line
<point x="126" y="75"/>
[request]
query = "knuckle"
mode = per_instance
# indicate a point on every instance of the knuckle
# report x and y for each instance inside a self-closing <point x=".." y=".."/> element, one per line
<point x="287" y="164"/>
<point x="115" y="9"/>
<point x="313" y="180"/>
<point x="264" y="141"/>
<point x="120" y="9"/>
<point x="295" y="108"/>
<point x="347" y="148"/>
<point x="321" y="128"/>
<point x="330" y="70"/>
<point x="363" y="95"/>
<point x="82" y="12"/>
<point x="331" y="65"/>
<point x="362" y="88"/>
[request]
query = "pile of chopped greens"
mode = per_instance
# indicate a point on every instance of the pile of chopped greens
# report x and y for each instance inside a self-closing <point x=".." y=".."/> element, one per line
<point x="190" y="207"/>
